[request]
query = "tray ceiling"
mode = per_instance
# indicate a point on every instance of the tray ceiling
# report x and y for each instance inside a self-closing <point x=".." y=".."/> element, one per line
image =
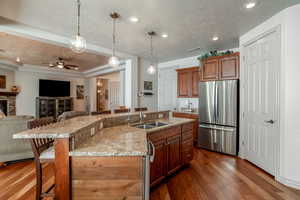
<point x="33" y="52"/>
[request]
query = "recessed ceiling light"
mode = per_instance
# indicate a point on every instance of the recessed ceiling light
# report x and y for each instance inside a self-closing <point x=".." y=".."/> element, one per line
<point x="164" y="35"/>
<point x="215" y="38"/>
<point x="250" y="5"/>
<point x="134" y="19"/>
<point x="18" y="59"/>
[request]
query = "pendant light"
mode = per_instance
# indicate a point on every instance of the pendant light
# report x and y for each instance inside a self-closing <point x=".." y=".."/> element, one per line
<point x="78" y="43"/>
<point x="151" y="69"/>
<point x="114" y="60"/>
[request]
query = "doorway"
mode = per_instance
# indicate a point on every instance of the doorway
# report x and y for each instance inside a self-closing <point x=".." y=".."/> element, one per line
<point x="108" y="91"/>
<point x="260" y="101"/>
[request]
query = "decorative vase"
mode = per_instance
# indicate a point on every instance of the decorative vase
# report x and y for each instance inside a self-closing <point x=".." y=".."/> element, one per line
<point x="14" y="88"/>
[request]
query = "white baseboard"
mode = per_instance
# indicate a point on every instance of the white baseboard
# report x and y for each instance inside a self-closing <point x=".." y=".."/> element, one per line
<point x="288" y="182"/>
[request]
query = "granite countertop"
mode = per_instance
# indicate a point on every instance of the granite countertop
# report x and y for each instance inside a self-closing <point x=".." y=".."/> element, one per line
<point x="115" y="141"/>
<point x="194" y="112"/>
<point x="122" y="140"/>
<point x="63" y="129"/>
<point x="68" y="128"/>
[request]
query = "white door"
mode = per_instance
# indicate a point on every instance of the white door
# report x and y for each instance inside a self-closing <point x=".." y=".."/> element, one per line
<point x="167" y="88"/>
<point x="260" y="89"/>
<point x="114" y="94"/>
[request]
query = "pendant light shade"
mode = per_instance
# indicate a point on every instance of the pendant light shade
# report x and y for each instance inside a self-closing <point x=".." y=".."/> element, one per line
<point x="151" y="69"/>
<point x="78" y="43"/>
<point x="114" y="60"/>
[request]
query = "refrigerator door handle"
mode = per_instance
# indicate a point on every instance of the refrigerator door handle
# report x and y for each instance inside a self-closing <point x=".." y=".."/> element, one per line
<point x="220" y="128"/>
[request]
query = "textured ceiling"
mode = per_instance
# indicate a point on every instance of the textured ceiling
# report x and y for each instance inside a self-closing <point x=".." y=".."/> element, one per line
<point x="189" y="23"/>
<point x="38" y="53"/>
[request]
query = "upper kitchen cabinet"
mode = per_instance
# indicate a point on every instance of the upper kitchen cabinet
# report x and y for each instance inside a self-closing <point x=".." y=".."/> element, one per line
<point x="210" y="70"/>
<point x="188" y="82"/>
<point x="220" y="68"/>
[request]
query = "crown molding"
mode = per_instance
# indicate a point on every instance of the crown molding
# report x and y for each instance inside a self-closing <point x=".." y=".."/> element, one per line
<point x="45" y="70"/>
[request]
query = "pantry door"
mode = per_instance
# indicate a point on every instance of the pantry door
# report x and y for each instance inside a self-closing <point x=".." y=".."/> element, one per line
<point x="260" y="96"/>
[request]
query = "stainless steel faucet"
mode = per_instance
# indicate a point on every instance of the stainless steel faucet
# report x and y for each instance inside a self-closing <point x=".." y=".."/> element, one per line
<point x="141" y="117"/>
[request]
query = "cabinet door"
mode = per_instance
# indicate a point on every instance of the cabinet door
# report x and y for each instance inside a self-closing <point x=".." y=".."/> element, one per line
<point x="157" y="167"/>
<point x="210" y="70"/>
<point x="184" y="83"/>
<point x="195" y="80"/>
<point x="187" y="151"/>
<point x="173" y="154"/>
<point x="229" y="68"/>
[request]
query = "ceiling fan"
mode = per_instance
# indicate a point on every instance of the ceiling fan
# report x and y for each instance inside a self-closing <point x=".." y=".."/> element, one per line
<point x="60" y="63"/>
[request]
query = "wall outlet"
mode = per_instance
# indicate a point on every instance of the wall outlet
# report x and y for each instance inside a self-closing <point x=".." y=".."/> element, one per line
<point x="92" y="131"/>
<point x="160" y="115"/>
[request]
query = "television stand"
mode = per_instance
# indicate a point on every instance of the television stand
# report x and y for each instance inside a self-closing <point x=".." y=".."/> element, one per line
<point x="53" y="106"/>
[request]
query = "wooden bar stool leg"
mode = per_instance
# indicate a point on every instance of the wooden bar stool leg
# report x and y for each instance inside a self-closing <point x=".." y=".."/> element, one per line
<point x="39" y="181"/>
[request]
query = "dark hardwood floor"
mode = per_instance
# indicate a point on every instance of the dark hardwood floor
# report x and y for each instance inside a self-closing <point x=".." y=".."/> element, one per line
<point x="216" y="176"/>
<point x="209" y="176"/>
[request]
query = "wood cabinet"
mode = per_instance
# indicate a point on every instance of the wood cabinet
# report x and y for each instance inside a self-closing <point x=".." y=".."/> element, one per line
<point x="187" y="82"/>
<point x="173" y="154"/>
<point x="210" y="70"/>
<point x="169" y="154"/>
<point x="195" y="124"/>
<point x="158" y="168"/>
<point x="220" y="68"/>
<point x="183" y="84"/>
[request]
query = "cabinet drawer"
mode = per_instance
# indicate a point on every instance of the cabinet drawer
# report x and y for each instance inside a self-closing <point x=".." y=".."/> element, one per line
<point x="187" y="135"/>
<point x="174" y="131"/>
<point x="187" y="145"/>
<point x="158" y="135"/>
<point x="187" y="127"/>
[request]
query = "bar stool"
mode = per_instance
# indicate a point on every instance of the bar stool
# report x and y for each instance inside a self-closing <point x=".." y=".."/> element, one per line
<point x="43" y="153"/>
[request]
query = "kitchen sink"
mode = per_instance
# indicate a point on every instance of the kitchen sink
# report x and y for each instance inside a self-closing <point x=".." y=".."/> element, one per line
<point x="149" y="125"/>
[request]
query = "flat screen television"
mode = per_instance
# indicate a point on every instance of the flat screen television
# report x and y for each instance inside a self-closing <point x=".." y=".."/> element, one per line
<point x="52" y="88"/>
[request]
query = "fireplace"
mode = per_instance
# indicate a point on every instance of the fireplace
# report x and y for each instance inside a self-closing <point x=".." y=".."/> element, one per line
<point x="8" y="103"/>
<point x="3" y="106"/>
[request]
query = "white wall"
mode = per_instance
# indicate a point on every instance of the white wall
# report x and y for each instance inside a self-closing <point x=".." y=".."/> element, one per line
<point x="147" y="101"/>
<point x="29" y="86"/>
<point x="10" y="77"/>
<point x="288" y="20"/>
<point x="177" y="64"/>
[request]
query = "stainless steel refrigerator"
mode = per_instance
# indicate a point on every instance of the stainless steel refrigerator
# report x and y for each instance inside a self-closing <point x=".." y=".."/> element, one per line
<point x="218" y="116"/>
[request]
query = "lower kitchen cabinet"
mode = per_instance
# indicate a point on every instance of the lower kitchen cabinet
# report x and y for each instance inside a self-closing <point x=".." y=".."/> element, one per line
<point x="158" y="168"/>
<point x="190" y="116"/>
<point x="173" y="149"/>
<point x="173" y="154"/>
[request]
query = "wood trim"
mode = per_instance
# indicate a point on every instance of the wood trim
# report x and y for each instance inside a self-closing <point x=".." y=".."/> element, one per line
<point x="62" y="169"/>
<point x="8" y="94"/>
<point x="188" y="69"/>
<point x="219" y="57"/>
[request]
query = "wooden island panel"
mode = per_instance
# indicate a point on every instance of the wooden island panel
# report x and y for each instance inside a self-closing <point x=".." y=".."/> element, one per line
<point x="107" y="178"/>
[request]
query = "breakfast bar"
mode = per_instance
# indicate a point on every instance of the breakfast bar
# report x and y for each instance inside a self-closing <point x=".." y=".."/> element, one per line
<point x="108" y="156"/>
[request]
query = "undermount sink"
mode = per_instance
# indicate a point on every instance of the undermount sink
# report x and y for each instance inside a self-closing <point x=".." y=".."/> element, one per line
<point x="149" y="125"/>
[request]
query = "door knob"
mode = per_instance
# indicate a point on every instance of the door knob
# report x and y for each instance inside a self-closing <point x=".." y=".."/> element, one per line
<point x="270" y="121"/>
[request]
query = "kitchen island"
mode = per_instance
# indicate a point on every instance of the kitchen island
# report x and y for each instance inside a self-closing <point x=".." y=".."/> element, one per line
<point x="102" y="157"/>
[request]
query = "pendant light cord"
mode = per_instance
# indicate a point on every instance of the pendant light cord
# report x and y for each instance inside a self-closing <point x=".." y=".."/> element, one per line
<point x="114" y="36"/>
<point x="78" y="17"/>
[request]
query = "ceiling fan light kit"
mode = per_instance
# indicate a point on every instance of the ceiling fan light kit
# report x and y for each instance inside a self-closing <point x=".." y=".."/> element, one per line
<point x="114" y="60"/>
<point x="78" y="43"/>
